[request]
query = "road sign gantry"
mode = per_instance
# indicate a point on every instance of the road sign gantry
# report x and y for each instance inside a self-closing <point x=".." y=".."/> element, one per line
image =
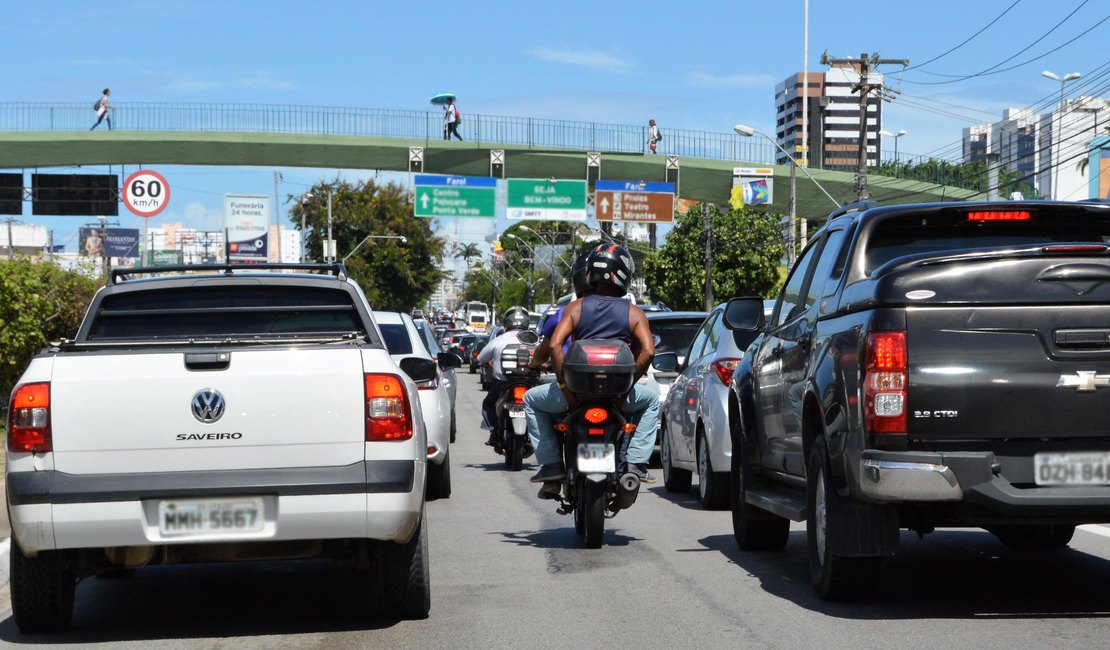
<point x="455" y="196"/>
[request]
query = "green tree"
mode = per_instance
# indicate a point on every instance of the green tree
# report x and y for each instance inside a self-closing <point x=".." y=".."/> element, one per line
<point x="38" y="303"/>
<point x="747" y="248"/>
<point x="970" y="175"/>
<point x="394" y="276"/>
<point x="468" y="252"/>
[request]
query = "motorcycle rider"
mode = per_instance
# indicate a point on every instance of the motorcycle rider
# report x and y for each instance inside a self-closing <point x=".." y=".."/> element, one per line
<point x="514" y="319"/>
<point x="605" y="313"/>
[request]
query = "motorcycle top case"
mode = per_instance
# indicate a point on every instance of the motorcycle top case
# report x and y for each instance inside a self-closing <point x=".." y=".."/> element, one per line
<point x="514" y="360"/>
<point x="599" y="367"/>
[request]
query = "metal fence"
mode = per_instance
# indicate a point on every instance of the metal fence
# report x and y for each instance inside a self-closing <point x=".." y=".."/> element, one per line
<point x="480" y="131"/>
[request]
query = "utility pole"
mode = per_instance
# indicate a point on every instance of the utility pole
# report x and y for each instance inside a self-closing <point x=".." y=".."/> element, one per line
<point x="708" y="208"/>
<point x="864" y="87"/>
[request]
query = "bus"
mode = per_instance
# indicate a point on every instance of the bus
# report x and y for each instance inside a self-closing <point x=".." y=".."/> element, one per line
<point x="476" y="317"/>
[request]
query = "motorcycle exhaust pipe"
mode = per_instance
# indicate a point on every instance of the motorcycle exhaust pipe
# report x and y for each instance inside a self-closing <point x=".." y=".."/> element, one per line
<point x="628" y="488"/>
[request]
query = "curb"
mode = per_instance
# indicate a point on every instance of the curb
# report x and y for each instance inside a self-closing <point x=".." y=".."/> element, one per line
<point x="5" y="552"/>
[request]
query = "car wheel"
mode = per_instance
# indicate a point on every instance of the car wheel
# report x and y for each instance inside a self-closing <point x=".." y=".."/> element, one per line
<point x="674" y="479"/>
<point x="755" y="529"/>
<point x="439" y="479"/>
<point x="834" y="577"/>
<point x="1034" y="537"/>
<point x="712" y="486"/>
<point x="406" y="585"/>
<point x="42" y="590"/>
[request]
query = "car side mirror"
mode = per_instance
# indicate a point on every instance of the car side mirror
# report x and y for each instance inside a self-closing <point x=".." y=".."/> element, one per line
<point x="419" y="370"/>
<point x="449" y="360"/>
<point x="527" y="337"/>
<point x="665" y="362"/>
<point x="744" y="314"/>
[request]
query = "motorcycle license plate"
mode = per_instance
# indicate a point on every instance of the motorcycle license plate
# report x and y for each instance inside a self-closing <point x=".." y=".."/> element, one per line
<point x="1072" y="468"/>
<point x="595" y="457"/>
<point x="516" y="413"/>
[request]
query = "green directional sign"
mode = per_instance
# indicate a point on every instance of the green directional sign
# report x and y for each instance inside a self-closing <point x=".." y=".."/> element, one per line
<point x="546" y="199"/>
<point x="455" y="196"/>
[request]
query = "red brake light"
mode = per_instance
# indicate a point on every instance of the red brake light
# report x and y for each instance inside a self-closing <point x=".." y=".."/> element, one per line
<point x="1067" y="249"/>
<point x="387" y="408"/>
<point x="999" y="215"/>
<point x="724" y="369"/>
<point x="518" y="393"/>
<point x="596" y="415"/>
<point x="595" y="432"/>
<point x="602" y="355"/>
<point x="29" y="419"/>
<point x="884" y="383"/>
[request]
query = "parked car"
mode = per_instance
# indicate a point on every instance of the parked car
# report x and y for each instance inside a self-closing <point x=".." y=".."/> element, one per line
<point x="427" y="336"/>
<point x="403" y="341"/>
<point x="695" y="434"/>
<point x="674" y="330"/>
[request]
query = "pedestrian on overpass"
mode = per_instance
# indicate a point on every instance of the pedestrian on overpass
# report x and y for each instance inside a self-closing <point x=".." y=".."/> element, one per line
<point x="653" y="135"/>
<point x="103" y="110"/>
<point x="451" y="120"/>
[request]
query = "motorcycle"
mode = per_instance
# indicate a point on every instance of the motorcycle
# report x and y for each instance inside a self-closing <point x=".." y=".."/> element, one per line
<point x="598" y="373"/>
<point x="511" y="424"/>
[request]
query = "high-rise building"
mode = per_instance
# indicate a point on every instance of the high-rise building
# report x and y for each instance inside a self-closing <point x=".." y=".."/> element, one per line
<point x="833" y="129"/>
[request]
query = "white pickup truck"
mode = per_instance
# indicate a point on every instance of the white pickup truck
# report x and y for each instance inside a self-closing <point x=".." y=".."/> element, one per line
<point x="226" y="414"/>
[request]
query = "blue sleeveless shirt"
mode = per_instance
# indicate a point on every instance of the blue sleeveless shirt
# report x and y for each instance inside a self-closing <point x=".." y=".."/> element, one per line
<point x="603" y="317"/>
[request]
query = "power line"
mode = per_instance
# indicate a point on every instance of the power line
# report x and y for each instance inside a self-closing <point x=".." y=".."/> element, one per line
<point x="969" y="39"/>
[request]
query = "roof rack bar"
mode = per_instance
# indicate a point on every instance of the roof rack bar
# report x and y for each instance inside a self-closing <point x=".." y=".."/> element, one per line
<point x="122" y="275"/>
<point x="856" y="206"/>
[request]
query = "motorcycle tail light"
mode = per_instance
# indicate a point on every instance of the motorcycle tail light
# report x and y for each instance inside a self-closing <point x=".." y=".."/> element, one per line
<point x="595" y="432"/>
<point x="29" y="419"/>
<point x="388" y="416"/>
<point x="518" y="393"/>
<point x="596" y="415"/>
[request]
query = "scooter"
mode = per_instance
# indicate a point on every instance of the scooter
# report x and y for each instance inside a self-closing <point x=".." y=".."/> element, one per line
<point x="598" y="373"/>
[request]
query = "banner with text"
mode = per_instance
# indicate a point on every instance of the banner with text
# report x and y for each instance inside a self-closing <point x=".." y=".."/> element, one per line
<point x="247" y="227"/>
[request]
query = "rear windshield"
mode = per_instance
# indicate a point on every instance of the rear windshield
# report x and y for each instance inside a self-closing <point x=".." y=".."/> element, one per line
<point x="674" y="334"/>
<point x="477" y="318"/>
<point x="954" y="232"/>
<point x="225" y="312"/>
<point x="397" y="339"/>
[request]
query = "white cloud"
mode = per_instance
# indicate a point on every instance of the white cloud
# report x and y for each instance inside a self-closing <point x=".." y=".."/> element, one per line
<point x="199" y="216"/>
<point x="592" y="59"/>
<point x="699" y="78"/>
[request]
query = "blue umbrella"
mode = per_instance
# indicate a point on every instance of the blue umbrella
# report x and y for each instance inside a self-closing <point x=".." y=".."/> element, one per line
<point x="439" y="99"/>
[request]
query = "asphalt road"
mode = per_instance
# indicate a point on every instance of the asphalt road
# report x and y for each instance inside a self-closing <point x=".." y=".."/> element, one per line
<point x="508" y="572"/>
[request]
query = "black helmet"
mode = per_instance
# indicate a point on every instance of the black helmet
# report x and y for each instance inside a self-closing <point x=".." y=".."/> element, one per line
<point x="578" y="276"/>
<point x="610" y="264"/>
<point x="515" y="318"/>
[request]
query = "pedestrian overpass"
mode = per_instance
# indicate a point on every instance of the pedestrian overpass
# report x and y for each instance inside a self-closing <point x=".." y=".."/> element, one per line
<point x="149" y="134"/>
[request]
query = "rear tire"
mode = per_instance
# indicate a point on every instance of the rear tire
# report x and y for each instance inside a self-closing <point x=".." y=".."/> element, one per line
<point x="594" y="513"/>
<point x="712" y="486"/>
<point x="439" y="479"/>
<point x="42" y="590"/>
<point x="1034" y="537"/>
<point x="755" y="529"/>
<point x="674" y="479"/>
<point x="834" y="577"/>
<point x="514" y="452"/>
<point x="406" y="585"/>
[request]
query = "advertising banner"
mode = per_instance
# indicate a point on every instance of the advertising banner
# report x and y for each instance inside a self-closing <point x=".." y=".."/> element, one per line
<point x="247" y="224"/>
<point x="752" y="186"/>
<point x="164" y="257"/>
<point x="122" y="242"/>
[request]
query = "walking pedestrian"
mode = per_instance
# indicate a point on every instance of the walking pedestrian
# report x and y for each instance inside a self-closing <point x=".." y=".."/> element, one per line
<point x="451" y="119"/>
<point x="103" y="110"/>
<point x="654" y="136"/>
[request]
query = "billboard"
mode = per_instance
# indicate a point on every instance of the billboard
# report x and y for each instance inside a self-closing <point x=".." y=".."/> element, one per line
<point x="247" y="227"/>
<point x="111" y="242"/>
<point x="752" y="186"/>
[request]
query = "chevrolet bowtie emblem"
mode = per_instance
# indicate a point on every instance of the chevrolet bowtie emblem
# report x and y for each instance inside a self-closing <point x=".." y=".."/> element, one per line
<point x="1084" y="381"/>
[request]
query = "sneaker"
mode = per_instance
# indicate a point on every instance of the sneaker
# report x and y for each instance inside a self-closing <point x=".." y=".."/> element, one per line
<point x="641" y="470"/>
<point x="551" y="472"/>
<point x="493" y="441"/>
<point x="550" y="490"/>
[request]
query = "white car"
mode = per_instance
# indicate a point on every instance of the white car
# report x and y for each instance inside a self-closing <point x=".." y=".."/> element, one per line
<point x="673" y="331"/>
<point x="404" y="341"/>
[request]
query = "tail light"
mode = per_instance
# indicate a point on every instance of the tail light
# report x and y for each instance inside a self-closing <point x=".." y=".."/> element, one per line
<point x="29" y="419"/>
<point x="999" y="215"/>
<point x="596" y="415"/>
<point x="595" y="432"/>
<point x="724" y="369"/>
<point x="387" y="408"/>
<point x="518" y="393"/>
<point x="884" y="383"/>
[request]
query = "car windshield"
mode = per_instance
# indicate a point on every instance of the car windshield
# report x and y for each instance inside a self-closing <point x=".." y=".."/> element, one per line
<point x="675" y="334"/>
<point x="396" y="339"/>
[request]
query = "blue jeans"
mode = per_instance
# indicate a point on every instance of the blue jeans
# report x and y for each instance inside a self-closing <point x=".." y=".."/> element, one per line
<point x="544" y="403"/>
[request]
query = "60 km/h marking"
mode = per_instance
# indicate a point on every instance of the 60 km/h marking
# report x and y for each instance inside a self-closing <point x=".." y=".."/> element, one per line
<point x="146" y="193"/>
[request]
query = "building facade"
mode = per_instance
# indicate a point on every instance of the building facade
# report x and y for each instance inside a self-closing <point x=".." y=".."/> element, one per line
<point x="834" y="119"/>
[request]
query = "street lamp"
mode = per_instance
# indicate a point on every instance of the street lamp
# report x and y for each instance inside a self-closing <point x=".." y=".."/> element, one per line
<point x="1058" y="136"/>
<point x="367" y="238"/>
<point x="747" y="132"/>
<point x="900" y="133"/>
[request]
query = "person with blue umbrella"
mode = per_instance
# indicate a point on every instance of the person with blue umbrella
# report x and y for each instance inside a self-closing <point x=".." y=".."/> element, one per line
<point x="451" y="117"/>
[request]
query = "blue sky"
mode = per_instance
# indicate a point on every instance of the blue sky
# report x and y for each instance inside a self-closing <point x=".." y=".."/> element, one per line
<point x="697" y="65"/>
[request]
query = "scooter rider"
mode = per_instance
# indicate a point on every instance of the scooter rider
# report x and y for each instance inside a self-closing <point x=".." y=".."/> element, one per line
<point x="604" y="314"/>
<point x="515" y="318"/>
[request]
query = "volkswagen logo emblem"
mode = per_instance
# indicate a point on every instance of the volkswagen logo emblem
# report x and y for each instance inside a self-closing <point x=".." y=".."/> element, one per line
<point x="208" y="405"/>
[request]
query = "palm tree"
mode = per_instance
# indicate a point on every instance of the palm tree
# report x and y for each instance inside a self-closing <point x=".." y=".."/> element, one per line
<point x="467" y="252"/>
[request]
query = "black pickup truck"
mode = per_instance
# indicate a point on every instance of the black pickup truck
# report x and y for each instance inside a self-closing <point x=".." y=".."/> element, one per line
<point x="936" y="365"/>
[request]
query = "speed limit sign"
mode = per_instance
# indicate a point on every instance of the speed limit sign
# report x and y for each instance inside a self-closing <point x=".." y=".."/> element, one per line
<point x="146" y="193"/>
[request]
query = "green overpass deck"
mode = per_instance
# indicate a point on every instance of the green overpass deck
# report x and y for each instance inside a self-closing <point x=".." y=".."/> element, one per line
<point x="700" y="179"/>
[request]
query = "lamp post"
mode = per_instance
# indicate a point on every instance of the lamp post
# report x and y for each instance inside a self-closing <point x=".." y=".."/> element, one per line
<point x="367" y="238"/>
<point x="1057" y="138"/>
<point x="900" y="133"/>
